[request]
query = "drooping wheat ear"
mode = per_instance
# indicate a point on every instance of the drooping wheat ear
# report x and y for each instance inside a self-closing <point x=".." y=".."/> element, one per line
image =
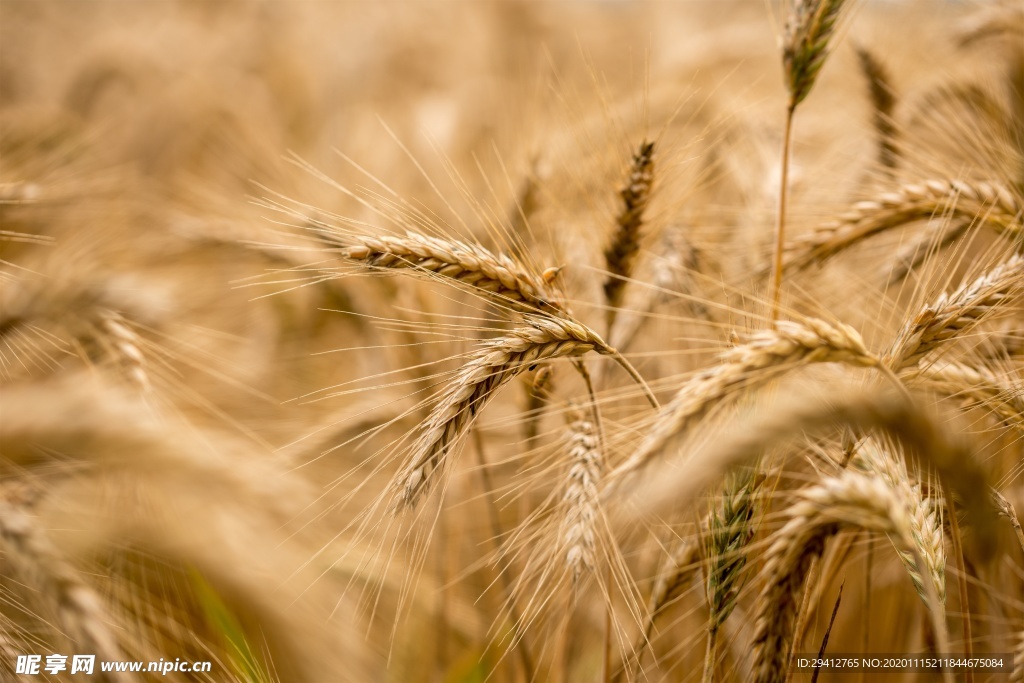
<point x="469" y="264"/>
<point x="768" y="354"/>
<point x="494" y="364"/>
<point x="1005" y="508"/>
<point x="127" y="345"/>
<point x="987" y="203"/>
<point x="820" y="512"/>
<point x="731" y="528"/>
<point x="910" y="256"/>
<point x="79" y="610"/>
<point x="951" y="315"/>
<point x="924" y="518"/>
<point x="621" y="253"/>
<point x="810" y="25"/>
<point x="978" y="386"/>
<point x="580" y="500"/>
<point x="883" y="101"/>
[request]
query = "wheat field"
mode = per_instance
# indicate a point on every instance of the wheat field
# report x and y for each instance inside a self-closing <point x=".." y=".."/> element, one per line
<point x="511" y="341"/>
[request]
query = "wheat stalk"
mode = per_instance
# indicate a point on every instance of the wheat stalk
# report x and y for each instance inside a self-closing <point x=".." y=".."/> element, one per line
<point x="620" y="255"/>
<point x="768" y="354"/>
<point x="810" y="25"/>
<point x="924" y="520"/>
<point x="730" y="531"/>
<point x="820" y="512"/>
<point x="989" y="203"/>
<point x="580" y="498"/>
<point x="951" y="315"/>
<point x="494" y="364"/>
<point x="883" y="100"/>
<point x="468" y="264"/>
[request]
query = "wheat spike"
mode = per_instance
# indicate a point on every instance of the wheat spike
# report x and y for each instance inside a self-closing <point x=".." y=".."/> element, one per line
<point x="580" y="499"/>
<point x="951" y="315"/>
<point x="621" y="253"/>
<point x="820" y="512"/>
<point x="469" y="264"/>
<point x="924" y="518"/>
<point x="988" y="203"/>
<point x="494" y="364"/>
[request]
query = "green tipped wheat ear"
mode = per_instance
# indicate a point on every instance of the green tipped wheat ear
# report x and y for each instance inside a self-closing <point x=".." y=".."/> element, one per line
<point x="731" y="529"/>
<point x="820" y="512"/>
<point x="768" y="354"/>
<point x="468" y="264"/>
<point x="810" y="25"/>
<point x="494" y="364"/>
<point x="621" y="253"/>
<point x="989" y="203"/>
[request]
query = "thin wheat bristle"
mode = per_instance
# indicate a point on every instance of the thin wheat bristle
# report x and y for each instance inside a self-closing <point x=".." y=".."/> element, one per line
<point x="976" y="385"/>
<point x="469" y="264"/>
<point x="769" y="353"/>
<point x="915" y="253"/>
<point x="494" y="364"/>
<point x="621" y="253"/>
<point x="987" y="203"/>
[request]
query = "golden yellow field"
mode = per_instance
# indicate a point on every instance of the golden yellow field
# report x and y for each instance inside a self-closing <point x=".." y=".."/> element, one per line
<point x="515" y="341"/>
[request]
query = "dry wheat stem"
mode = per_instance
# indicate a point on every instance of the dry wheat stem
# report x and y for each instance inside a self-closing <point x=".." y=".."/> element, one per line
<point x="494" y="364"/>
<point x="768" y="354"/>
<point x="79" y="610"/>
<point x="820" y="511"/>
<point x="953" y="314"/>
<point x="469" y="264"/>
<point x="620" y="256"/>
<point x="987" y="203"/>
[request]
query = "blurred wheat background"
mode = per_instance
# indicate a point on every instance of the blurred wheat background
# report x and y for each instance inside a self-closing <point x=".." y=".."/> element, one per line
<point x="460" y="341"/>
